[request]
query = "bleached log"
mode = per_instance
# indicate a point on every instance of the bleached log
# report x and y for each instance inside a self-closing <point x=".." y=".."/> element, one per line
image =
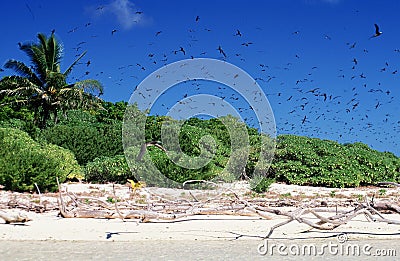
<point x="14" y="217"/>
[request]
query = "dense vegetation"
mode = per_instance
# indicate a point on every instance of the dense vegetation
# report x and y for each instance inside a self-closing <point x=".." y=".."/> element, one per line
<point x="311" y="161"/>
<point x="93" y="140"/>
<point x="42" y="87"/>
<point x="50" y="129"/>
<point x="25" y="162"/>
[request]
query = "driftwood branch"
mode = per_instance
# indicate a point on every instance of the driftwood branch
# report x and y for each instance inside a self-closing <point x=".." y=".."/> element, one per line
<point x="394" y="184"/>
<point x="227" y="202"/>
<point x="332" y="222"/>
<point x="14" y="217"/>
<point x="174" y="210"/>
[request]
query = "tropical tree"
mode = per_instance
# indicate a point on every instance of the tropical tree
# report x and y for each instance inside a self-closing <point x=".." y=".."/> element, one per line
<point x="43" y="87"/>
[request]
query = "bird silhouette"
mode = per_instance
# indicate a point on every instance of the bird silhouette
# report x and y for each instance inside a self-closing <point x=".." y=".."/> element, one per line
<point x="247" y="44"/>
<point x="377" y="32"/>
<point x="221" y="51"/>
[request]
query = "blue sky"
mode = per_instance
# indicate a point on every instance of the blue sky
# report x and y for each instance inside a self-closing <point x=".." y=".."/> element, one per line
<point x="314" y="59"/>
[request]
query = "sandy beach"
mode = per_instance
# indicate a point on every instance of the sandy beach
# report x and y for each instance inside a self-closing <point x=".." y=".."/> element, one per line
<point x="197" y="231"/>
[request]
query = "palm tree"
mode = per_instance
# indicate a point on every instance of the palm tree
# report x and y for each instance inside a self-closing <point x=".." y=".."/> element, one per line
<point x="43" y="87"/>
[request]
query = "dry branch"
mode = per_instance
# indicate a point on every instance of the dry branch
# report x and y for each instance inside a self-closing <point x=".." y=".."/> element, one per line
<point x="14" y="217"/>
<point x="394" y="184"/>
<point x="156" y="208"/>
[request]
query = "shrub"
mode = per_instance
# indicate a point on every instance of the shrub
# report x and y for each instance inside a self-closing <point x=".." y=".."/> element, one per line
<point x="108" y="169"/>
<point x="85" y="137"/>
<point x="261" y="184"/>
<point x="25" y="162"/>
<point x="24" y="125"/>
<point x="311" y="161"/>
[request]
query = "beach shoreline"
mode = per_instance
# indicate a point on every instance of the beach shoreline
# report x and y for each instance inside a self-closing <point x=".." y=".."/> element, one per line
<point x="49" y="225"/>
<point x="48" y="236"/>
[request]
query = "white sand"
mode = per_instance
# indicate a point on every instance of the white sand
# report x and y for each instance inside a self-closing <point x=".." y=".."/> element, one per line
<point x="48" y="226"/>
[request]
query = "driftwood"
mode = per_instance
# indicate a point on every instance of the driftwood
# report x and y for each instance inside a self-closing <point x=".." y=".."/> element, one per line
<point x="394" y="184"/>
<point x="14" y="217"/>
<point x="332" y="222"/>
<point x="156" y="208"/>
<point x="174" y="210"/>
<point x="387" y="206"/>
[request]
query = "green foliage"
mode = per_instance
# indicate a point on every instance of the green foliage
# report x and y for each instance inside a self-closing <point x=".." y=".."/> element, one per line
<point x="10" y="111"/>
<point x="88" y="139"/>
<point x="200" y="149"/>
<point x="108" y="169"/>
<point x="26" y="126"/>
<point x="220" y="149"/>
<point x="42" y="85"/>
<point x="111" y="112"/>
<point x="311" y="161"/>
<point x="261" y="184"/>
<point x="25" y="162"/>
<point x="173" y="171"/>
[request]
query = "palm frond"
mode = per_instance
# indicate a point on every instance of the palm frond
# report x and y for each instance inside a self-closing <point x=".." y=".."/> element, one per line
<point x="78" y="98"/>
<point x="16" y="102"/>
<point x="27" y="48"/>
<point x="22" y="91"/>
<point x="59" y="53"/>
<point x="23" y="70"/>
<point x="11" y="82"/>
<point x="43" y="41"/>
<point x="90" y="86"/>
<point x="68" y="71"/>
<point x="39" y="61"/>
<point x="53" y="55"/>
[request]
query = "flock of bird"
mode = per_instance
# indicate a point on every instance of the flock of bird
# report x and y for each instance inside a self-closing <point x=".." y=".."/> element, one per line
<point x="301" y="107"/>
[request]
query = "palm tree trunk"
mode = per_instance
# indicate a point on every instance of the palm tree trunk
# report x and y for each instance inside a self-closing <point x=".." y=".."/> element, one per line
<point x="45" y="115"/>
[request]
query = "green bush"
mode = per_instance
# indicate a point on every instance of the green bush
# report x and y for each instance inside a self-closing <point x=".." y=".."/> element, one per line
<point x="311" y="161"/>
<point x="26" y="126"/>
<point x="173" y="171"/>
<point x="85" y="137"/>
<point x="261" y="184"/>
<point x="25" y="162"/>
<point x="108" y="169"/>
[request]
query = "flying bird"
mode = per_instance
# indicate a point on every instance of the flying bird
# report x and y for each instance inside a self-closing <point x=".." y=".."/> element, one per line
<point x="113" y="31"/>
<point x="221" y="51"/>
<point x="30" y="10"/>
<point x="352" y="46"/>
<point x="377" y="32"/>
<point x="327" y="37"/>
<point x="247" y="44"/>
